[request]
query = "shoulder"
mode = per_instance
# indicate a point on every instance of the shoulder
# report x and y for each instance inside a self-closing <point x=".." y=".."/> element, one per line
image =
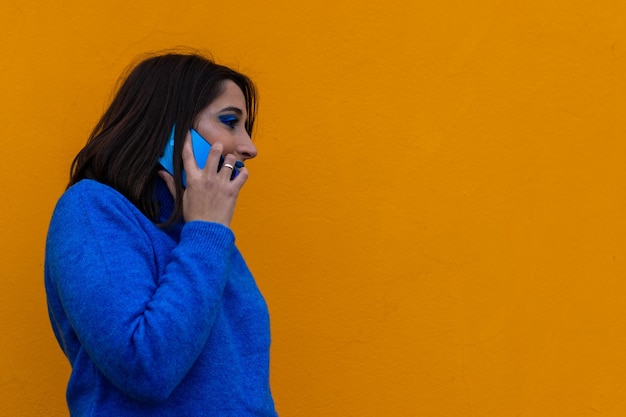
<point x="90" y="189"/>
<point x="92" y="204"/>
<point x="93" y="196"/>
<point x="93" y="216"/>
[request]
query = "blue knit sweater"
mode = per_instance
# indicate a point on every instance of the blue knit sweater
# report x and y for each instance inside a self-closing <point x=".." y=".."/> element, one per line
<point x="153" y="322"/>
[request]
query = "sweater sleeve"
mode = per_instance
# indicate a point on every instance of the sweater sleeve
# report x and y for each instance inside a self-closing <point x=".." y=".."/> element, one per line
<point x="142" y="328"/>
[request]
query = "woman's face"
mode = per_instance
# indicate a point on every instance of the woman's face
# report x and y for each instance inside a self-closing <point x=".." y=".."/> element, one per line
<point x="224" y="121"/>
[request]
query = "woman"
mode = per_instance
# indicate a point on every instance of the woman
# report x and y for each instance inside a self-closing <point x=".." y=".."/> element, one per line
<point x="148" y="296"/>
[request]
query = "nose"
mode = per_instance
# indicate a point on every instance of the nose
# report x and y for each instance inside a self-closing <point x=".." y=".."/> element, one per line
<point x="245" y="147"/>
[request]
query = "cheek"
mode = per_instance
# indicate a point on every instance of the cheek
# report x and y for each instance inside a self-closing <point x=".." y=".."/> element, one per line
<point x="207" y="131"/>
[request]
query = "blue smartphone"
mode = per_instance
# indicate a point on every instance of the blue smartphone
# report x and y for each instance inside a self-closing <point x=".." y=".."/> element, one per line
<point x="200" y="152"/>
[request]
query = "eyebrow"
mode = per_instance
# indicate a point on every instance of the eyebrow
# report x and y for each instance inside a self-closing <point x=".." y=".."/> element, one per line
<point x="233" y="109"/>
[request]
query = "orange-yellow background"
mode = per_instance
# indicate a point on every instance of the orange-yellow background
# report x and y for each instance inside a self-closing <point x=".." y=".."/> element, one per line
<point x="437" y="217"/>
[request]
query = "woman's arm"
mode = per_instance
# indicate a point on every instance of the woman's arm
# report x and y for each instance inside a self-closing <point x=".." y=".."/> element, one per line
<point x="143" y="328"/>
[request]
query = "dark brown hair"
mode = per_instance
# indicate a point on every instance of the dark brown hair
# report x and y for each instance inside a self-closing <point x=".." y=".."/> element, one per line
<point x="159" y="93"/>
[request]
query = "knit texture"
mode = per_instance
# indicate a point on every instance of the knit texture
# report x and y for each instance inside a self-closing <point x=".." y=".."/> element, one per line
<point x="154" y="322"/>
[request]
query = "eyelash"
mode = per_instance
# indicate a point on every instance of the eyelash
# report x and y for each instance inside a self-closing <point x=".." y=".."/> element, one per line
<point x="230" y="121"/>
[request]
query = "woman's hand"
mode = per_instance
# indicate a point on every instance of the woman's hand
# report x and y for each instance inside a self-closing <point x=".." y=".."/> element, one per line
<point x="210" y="195"/>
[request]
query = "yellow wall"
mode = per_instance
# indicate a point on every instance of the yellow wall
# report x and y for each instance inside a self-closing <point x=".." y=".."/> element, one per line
<point x="437" y="216"/>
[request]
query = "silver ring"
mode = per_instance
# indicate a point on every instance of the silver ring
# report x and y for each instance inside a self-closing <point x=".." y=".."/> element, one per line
<point x="229" y="166"/>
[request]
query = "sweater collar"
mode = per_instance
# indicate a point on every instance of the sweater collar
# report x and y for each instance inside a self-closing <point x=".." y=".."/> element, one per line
<point x="165" y="199"/>
<point x="166" y="207"/>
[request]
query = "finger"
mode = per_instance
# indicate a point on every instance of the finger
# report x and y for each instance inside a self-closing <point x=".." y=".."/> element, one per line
<point x="213" y="159"/>
<point x="229" y="165"/>
<point x="188" y="159"/>
<point x="169" y="182"/>
<point x="241" y="178"/>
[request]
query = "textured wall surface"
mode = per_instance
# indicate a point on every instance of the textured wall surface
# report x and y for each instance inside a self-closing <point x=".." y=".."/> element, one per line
<point x="436" y="216"/>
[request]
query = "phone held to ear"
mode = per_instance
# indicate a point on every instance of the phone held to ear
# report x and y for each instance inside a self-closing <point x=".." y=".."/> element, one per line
<point x="200" y="152"/>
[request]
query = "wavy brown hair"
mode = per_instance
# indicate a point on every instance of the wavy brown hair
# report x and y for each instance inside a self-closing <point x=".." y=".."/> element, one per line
<point x="157" y="94"/>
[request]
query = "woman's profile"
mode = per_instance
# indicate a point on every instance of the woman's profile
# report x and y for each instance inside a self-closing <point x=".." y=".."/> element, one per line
<point x="148" y="295"/>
